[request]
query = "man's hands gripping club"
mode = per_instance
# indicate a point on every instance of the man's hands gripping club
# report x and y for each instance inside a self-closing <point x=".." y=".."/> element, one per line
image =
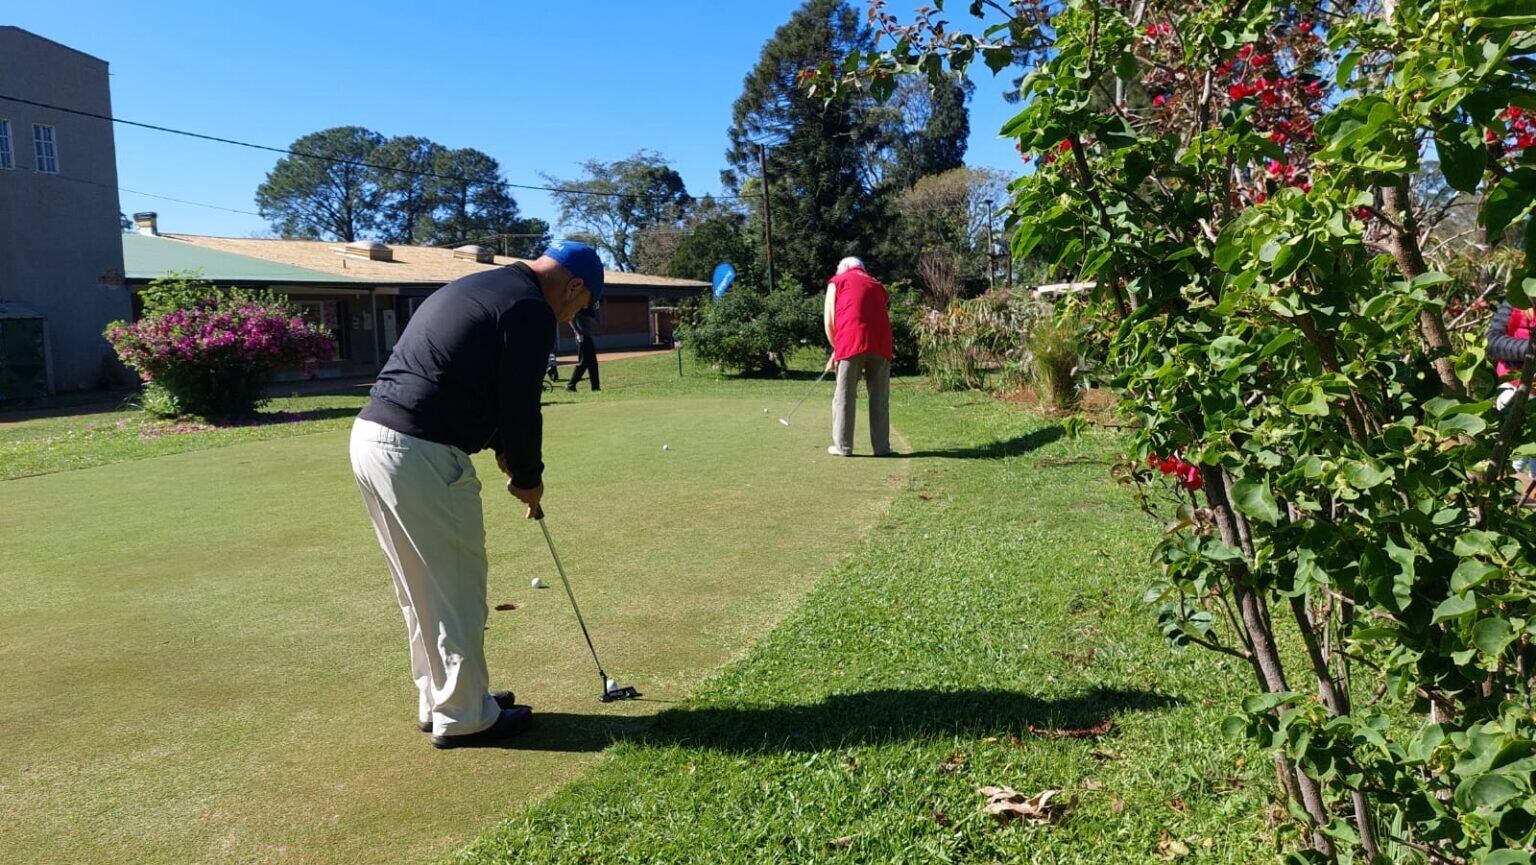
<point x="528" y="497"/>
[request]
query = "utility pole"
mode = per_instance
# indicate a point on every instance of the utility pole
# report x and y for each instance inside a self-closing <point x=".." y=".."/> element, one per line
<point x="762" y="161"/>
<point x="991" y="250"/>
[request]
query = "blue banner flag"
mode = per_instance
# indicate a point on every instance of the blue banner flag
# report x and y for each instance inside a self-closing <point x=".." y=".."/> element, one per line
<point x="724" y="276"/>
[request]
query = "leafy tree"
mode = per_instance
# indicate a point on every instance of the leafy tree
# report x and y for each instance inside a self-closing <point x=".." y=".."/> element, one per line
<point x="1320" y="449"/>
<point x="942" y="223"/>
<point x="715" y="232"/>
<point x="753" y="333"/>
<point x="823" y="160"/>
<point x="929" y="128"/>
<point x="317" y="196"/>
<point x="409" y="197"/>
<point x="476" y="205"/>
<point x="613" y="203"/>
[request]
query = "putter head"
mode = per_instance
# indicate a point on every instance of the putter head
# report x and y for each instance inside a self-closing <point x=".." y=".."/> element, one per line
<point x="784" y="421"/>
<point x="625" y="693"/>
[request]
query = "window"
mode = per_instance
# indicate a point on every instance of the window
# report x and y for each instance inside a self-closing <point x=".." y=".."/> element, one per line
<point x="44" y="148"/>
<point x="7" y="160"/>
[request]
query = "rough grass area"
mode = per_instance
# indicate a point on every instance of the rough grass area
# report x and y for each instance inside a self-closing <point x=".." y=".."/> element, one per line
<point x="991" y="617"/>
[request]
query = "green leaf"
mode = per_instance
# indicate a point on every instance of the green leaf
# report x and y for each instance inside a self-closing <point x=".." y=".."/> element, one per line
<point x="1253" y="498"/>
<point x="1461" y="424"/>
<point x="1307" y="400"/>
<point x="1454" y="607"/>
<point x="1510" y="199"/>
<point x="1470" y="574"/>
<point x="1486" y="791"/>
<point x="1492" y="635"/>
<point x="1462" y="161"/>
<point x="1363" y="475"/>
<point x="1507" y="857"/>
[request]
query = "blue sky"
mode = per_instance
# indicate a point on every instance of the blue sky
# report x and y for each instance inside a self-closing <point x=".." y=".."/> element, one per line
<point x="539" y="85"/>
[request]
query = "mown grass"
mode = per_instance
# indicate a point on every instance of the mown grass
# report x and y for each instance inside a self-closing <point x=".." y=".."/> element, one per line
<point x="96" y="437"/>
<point x="994" y="610"/>
<point x="207" y="662"/>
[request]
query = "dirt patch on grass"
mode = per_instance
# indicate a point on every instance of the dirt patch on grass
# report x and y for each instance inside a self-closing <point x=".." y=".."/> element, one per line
<point x="1098" y="405"/>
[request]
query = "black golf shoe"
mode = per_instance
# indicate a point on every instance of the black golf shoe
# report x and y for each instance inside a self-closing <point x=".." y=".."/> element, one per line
<point x="512" y="722"/>
<point x="504" y="699"/>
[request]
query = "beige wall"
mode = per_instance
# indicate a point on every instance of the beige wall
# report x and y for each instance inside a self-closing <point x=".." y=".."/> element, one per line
<point x="59" y="245"/>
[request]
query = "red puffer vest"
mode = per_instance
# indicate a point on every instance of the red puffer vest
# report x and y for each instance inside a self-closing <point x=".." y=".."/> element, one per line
<point x="861" y="323"/>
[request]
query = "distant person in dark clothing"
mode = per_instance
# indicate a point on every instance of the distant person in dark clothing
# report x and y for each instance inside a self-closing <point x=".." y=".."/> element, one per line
<point x="466" y="375"/>
<point x="586" y="349"/>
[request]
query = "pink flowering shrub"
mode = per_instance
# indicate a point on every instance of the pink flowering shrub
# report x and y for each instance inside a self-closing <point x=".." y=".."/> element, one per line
<point x="212" y="356"/>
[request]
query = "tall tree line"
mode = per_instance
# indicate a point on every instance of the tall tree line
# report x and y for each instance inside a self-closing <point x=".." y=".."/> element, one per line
<point x="354" y="184"/>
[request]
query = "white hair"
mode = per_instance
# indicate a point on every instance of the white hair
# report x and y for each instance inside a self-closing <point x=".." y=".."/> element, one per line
<point x="849" y="263"/>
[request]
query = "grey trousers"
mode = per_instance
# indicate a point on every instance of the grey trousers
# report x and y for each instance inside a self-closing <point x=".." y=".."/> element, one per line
<point x="424" y="500"/>
<point x="876" y="371"/>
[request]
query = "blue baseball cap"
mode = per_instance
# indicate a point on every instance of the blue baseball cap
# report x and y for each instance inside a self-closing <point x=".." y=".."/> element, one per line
<point x="582" y="261"/>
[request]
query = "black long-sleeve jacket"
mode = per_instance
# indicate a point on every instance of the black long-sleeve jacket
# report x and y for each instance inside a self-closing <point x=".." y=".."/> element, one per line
<point x="468" y="370"/>
<point x="1502" y="346"/>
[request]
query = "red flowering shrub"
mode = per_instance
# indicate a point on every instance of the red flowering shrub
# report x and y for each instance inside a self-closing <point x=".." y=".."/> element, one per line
<point x="213" y="357"/>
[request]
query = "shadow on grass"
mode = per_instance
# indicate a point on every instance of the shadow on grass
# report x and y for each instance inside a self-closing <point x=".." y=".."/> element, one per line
<point x="842" y="720"/>
<point x="997" y="450"/>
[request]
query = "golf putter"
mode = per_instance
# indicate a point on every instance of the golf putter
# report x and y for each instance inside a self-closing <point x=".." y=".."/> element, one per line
<point x="611" y="691"/>
<point x="785" y="419"/>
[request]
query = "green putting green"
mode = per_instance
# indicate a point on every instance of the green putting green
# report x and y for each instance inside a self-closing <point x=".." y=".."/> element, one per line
<point x="204" y="661"/>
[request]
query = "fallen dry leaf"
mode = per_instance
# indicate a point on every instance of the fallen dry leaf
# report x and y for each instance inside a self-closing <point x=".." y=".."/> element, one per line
<point x="1104" y="754"/>
<point x="1093" y="732"/>
<point x="502" y="608"/>
<point x="1090" y="784"/>
<point x="844" y="841"/>
<point x="1171" y="848"/>
<point x="941" y="818"/>
<point x="1178" y="805"/>
<point x="990" y="739"/>
<point x="952" y="763"/>
<point x="1008" y="804"/>
<point x="1117" y="806"/>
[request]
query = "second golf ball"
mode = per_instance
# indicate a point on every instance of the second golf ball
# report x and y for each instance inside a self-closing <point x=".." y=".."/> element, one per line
<point x="538" y="583"/>
<point x="666" y="447"/>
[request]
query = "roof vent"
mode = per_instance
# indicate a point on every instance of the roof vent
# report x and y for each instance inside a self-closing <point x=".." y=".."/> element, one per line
<point x="146" y="223"/>
<point x="371" y="250"/>
<point x="474" y="253"/>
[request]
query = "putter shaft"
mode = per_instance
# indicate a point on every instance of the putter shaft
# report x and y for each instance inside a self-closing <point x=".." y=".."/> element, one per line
<point x="808" y="391"/>
<point x="609" y="694"/>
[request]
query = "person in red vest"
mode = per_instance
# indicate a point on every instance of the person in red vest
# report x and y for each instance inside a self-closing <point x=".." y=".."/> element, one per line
<point x="858" y="327"/>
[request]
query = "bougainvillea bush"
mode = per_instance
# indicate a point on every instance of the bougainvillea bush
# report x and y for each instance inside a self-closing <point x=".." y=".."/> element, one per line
<point x="1246" y="181"/>
<point x="212" y="354"/>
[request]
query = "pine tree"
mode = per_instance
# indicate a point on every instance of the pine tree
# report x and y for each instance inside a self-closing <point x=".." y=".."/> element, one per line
<point x="821" y="160"/>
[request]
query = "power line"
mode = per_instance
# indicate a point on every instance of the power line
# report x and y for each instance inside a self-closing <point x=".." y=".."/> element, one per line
<point x="73" y="179"/>
<point x="332" y="159"/>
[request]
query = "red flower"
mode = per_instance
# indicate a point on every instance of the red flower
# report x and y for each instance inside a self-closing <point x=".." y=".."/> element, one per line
<point x="1305" y="26"/>
<point x="1239" y="91"/>
<point x="1159" y="100"/>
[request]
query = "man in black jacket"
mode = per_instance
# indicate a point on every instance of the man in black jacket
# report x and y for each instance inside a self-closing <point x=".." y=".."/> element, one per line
<point x="586" y="350"/>
<point x="466" y="375"/>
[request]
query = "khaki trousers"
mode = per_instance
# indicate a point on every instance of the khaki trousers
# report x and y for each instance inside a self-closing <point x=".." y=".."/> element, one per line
<point x="424" y="500"/>
<point x="876" y="370"/>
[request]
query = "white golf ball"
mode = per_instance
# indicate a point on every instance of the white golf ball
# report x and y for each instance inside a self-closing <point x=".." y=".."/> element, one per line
<point x="538" y="583"/>
<point x="666" y="447"/>
<point x="765" y="411"/>
<point x="611" y="685"/>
